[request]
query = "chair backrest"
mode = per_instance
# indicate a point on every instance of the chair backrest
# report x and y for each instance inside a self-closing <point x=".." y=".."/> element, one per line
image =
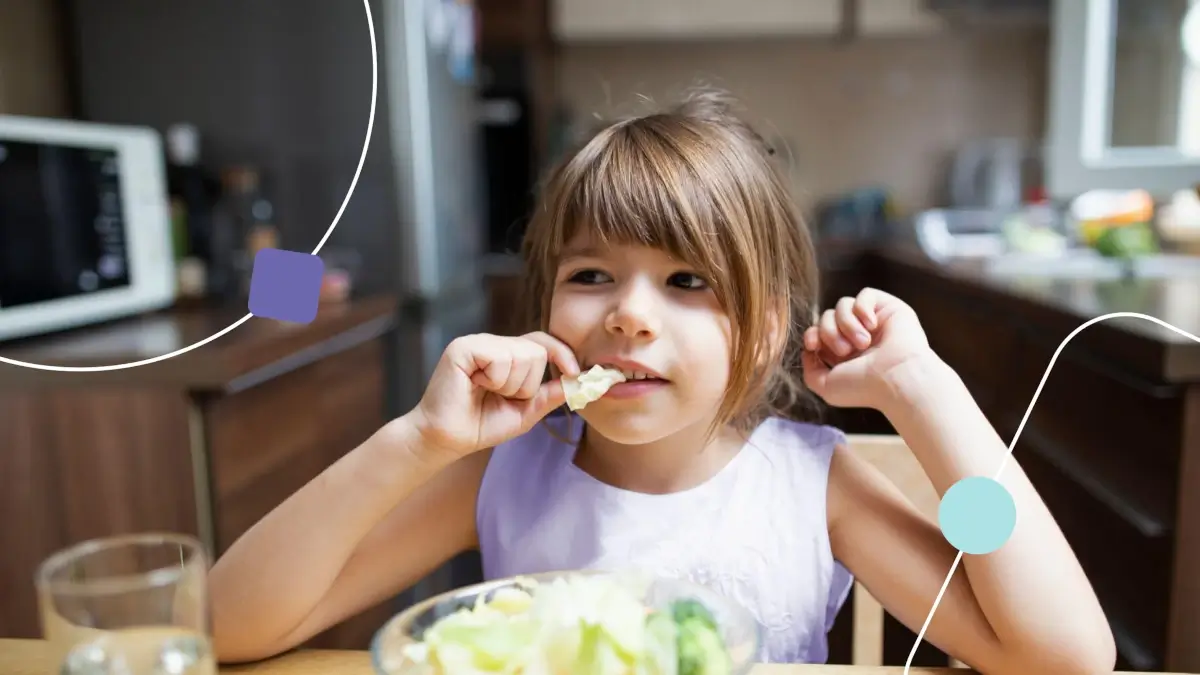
<point x="892" y="456"/>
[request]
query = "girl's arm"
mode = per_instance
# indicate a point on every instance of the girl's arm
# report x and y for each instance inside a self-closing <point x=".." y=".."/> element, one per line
<point x="391" y="510"/>
<point x="372" y="524"/>
<point x="1024" y="608"/>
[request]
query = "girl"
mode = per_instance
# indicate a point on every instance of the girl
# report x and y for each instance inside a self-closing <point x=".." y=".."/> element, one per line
<point x="668" y="247"/>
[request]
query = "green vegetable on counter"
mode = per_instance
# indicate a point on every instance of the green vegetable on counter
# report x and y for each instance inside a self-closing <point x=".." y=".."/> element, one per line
<point x="1127" y="241"/>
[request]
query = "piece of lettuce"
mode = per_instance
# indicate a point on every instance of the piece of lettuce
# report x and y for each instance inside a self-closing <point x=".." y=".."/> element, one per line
<point x="662" y="647"/>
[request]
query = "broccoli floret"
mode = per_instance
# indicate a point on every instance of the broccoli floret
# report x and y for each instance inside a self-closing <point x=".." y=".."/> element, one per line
<point x="682" y="610"/>
<point x="699" y="643"/>
<point x="701" y="649"/>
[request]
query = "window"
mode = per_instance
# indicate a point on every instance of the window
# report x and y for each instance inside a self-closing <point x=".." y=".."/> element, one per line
<point x="1124" y="98"/>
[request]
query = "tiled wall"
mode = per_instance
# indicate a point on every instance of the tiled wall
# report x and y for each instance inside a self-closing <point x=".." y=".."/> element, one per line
<point x="876" y="111"/>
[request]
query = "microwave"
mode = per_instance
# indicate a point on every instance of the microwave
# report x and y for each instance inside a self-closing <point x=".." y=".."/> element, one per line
<point x="85" y="225"/>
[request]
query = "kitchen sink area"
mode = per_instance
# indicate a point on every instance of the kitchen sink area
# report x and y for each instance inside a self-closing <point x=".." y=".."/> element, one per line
<point x="1087" y="264"/>
<point x="974" y="239"/>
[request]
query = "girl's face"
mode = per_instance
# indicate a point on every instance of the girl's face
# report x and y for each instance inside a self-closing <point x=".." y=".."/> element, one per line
<point x="654" y="318"/>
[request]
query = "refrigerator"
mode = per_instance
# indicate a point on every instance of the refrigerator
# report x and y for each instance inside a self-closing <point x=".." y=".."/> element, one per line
<point x="286" y="85"/>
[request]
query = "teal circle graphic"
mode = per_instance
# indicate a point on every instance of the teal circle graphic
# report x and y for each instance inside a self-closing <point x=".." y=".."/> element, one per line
<point x="977" y="515"/>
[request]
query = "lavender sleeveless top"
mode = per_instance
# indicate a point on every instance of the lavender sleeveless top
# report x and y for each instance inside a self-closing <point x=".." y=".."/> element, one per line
<point x="756" y="531"/>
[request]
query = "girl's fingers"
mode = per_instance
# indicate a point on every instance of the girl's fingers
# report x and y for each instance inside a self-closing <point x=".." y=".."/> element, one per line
<point x="850" y="325"/>
<point x="494" y="363"/>
<point x="870" y="303"/>
<point x="816" y="372"/>
<point x="831" y="336"/>
<point x="812" y="338"/>
<point x="483" y="381"/>
<point x="504" y="366"/>
<point x="558" y="352"/>
<point x="523" y="365"/>
<point x="866" y="315"/>
<point x="533" y="378"/>
<point x="549" y="395"/>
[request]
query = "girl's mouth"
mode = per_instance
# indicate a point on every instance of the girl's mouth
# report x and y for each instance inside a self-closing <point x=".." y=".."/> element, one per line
<point x="633" y="388"/>
<point x="632" y="374"/>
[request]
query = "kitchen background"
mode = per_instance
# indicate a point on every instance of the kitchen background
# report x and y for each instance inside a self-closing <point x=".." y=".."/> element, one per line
<point x="916" y="131"/>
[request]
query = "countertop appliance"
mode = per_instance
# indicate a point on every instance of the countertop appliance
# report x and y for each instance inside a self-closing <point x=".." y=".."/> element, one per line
<point x="946" y="234"/>
<point x="993" y="173"/>
<point x="85" y="231"/>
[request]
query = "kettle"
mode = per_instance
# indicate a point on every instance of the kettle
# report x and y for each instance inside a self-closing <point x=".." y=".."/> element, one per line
<point x="990" y="173"/>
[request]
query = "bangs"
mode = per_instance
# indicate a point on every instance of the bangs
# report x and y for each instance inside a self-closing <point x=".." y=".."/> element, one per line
<point x="643" y="187"/>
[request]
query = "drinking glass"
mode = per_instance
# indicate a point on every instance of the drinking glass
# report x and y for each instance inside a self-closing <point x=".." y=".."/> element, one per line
<point x="127" y="605"/>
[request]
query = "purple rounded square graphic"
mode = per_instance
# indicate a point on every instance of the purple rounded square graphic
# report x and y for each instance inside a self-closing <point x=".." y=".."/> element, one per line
<point x="286" y="285"/>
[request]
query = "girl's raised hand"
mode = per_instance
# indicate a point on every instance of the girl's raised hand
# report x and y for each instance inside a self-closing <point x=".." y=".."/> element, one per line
<point x="487" y="389"/>
<point x="854" y="349"/>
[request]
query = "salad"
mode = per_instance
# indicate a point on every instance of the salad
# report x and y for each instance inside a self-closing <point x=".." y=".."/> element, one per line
<point x="584" y="624"/>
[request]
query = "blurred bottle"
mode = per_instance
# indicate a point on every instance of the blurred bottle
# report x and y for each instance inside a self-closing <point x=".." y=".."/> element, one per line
<point x="250" y="224"/>
<point x="194" y="193"/>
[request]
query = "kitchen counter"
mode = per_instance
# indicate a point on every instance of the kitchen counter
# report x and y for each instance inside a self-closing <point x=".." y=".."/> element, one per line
<point x="1059" y="304"/>
<point x="26" y="657"/>
<point x="257" y="349"/>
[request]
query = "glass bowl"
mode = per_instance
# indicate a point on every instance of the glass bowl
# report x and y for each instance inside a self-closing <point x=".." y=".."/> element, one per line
<point x="739" y="630"/>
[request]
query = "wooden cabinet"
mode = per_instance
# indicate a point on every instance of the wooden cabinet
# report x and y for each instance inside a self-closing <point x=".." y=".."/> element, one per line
<point x="206" y="443"/>
<point x="511" y="23"/>
<point x="573" y="20"/>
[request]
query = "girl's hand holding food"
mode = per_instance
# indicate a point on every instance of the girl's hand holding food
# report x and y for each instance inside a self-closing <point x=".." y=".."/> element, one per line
<point x="487" y="389"/>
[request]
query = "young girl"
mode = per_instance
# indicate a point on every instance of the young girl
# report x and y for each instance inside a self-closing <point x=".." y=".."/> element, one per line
<point x="668" y="247"/>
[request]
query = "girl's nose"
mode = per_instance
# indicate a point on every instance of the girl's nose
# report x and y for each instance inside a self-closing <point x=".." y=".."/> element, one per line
<point x="635" y="314"/>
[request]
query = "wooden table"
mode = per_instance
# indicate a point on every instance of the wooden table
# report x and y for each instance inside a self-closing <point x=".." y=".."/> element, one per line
<point x="27" y="657"/>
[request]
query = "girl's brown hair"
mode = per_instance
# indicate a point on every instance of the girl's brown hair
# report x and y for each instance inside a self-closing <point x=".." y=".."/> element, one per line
<point x="698" y="182"/>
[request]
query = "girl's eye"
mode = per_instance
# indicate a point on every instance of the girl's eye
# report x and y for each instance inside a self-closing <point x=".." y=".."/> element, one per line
<point x="588" y="277"/>
<point x="687" y="281"/>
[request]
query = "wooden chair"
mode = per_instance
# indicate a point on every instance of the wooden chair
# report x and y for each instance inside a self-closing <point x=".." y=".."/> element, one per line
<point x="895" y="460"/>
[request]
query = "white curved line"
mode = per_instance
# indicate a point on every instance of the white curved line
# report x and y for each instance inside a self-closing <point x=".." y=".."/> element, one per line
<point x="1017" y="436"/>
<point x="353" y="183"/>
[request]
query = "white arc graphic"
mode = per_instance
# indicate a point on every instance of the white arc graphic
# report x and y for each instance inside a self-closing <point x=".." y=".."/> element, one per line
<point x="1017" y="436"/>
<point x="353" y="183"/>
